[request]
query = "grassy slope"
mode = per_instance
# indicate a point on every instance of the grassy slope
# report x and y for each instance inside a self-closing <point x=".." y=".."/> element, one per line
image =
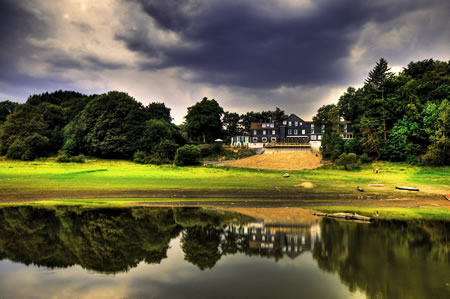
<point x="18" y="176"/>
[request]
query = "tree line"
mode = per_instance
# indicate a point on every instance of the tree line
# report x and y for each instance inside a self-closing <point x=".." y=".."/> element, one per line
<point x="115" y="125"/>
<point x="395" y="117"/>
<point x="401" y="117"/>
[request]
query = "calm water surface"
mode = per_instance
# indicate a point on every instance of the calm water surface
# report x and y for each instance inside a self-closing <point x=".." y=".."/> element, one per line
<point x="69" y="252"/>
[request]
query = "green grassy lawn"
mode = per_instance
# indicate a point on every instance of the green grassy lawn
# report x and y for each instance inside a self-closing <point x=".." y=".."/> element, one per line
<point x="110" y="175"/>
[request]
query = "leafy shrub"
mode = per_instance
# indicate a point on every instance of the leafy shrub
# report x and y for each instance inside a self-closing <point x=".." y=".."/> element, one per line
<point x="353" y="146"/>
<point x="167" y="149"/>
<point x="78" y="159"/>
<point x="212" y="149"/>
<point x="217" y="147"/>
<point x="365" y="158"/>
<point x="29" y="149"/>
<point x="144" y="158"/>
<point x="187" y="155"/>
<point x="70" y="146"/>
<point x="16" y="150"/>
<point x="63" y="157"/>
<point x="139" y="157"/>
<point x="349" y="161"/>
<point x="245" y="152"/>
<point x="156" y="159"/>
<point x="412" y="159"/>
<point x="205" y="150"/>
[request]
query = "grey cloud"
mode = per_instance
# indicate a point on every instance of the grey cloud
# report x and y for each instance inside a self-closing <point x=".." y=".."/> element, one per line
<point x="238" y="45"/>
<point x="83" y="27"/>
<point x="16" y="25"/>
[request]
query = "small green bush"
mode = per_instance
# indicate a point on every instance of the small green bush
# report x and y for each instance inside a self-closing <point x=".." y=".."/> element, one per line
<point x="349" y="161"/>
<point x="206" y="150"/>
<point x="16" y="150"/>
<point x="78" y="159"/>
<point x="144" y="158"/>
<point x="139" y="157"/>
<point x="365" y="158"/>
<point x="167" y="149"/>
<point x="187" y="155"/>
<point x="63" y="157"/>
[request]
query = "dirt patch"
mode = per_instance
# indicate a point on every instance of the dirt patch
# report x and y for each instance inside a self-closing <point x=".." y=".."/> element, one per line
<point x="280" y="161"/>
<point x="306" y="185"/>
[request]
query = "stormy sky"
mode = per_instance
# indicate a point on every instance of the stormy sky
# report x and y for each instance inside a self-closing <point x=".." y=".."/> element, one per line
<point x="247" y="54"/>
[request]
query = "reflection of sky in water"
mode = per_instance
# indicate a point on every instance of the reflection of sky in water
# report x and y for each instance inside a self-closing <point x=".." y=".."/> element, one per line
<point x="234" y="276"/>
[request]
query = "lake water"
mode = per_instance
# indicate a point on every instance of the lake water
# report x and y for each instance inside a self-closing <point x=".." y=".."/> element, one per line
<point x="69" y="252"/>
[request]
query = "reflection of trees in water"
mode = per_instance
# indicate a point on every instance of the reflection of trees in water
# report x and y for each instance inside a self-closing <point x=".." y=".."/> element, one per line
<point x="105" y="240"/>
<point x="201" y="246"/>
<point x="383" y="259"/>
<point x="388" y="259"/>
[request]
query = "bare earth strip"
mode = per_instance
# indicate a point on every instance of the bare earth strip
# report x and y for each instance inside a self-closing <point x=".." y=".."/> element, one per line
<point x="280" y="161"/>
<point x="283" y="203"/>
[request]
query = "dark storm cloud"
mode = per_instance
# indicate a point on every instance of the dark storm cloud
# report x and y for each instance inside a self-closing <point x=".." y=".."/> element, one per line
<point x="235" y="43"/>
<point x="16" y="25"/>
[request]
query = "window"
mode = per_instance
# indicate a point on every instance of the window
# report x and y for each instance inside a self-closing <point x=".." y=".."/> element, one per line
<point x="345" y="128"/>
<point x="295" y="132"/>
<point x="284" y="122"/>
<point x="264" y="132"/>
<point x="313" y="137"/>
<point x="273" y="132"/>
<point x="290" y="123"/>
<point x="273" y="139"/>
<point x="301" y="123"/>
<point x="272" y="125"/>
<point x="289" y="132"/>
<point x="303" y="132"/>
<point x="254" y="132"/>
<point x="255" y="139"/>
<point x="296" y="123"/>
<point x="312" y="129"/>
<point x="319" y="137"/>
<point x="264" y="139"/>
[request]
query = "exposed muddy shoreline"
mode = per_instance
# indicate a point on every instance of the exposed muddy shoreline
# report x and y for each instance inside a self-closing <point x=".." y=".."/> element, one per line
<point x="36" y="195"/>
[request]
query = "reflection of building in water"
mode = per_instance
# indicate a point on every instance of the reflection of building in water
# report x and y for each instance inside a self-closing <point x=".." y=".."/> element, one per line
<point x="292" y="240"/>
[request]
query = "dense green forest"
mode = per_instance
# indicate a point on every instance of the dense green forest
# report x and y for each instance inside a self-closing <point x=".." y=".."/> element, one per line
<point x="402" y="117"/>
